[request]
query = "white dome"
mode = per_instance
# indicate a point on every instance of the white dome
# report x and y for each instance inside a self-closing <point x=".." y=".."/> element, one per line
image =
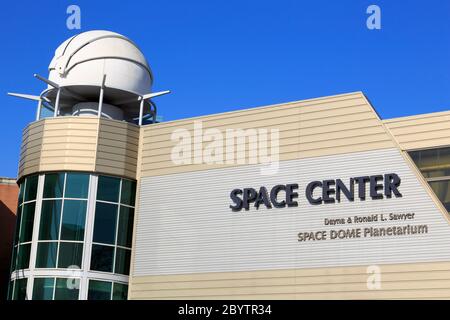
<point x="82" y="60"/>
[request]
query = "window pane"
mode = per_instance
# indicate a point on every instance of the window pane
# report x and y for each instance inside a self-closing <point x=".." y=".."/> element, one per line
<point x="70" y="254"/>
<point x="67" y="289"/>
<point x="105" y="223"/>
<point x="99" y="290"/>
<point x="123" y="261"/>
<point x="436" y="173"/>
<point x="26" y="227"/>
<point x="10" y="290"/>
<point x="125" y="229"/>
<point x="23" y="256"/>
<point x="47" y="110"/>
<point x="50" y="218"/>
<point x="46" y="255"/>
<point x="43" y="288"/>
<point x="19" y="216"/>
<point x="13" y="258"/>
<point x="53" y="185"/>
<point x="102" y="258"/>
<point x="20" y="289"/>
<point x="128" y="193"/>
<point x="442" y="190"/>
<point x="108" y="189"/>
<point x="21" y="193"/>
<point x="31" y="188"/>
<point x="77" y="185"/>
<point x="74" y="217"/>
<point x="432" y="162"/>
<point x="120" y="291"/>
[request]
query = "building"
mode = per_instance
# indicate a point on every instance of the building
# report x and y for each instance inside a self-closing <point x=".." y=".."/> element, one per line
<point x="8" y="207"/>
<point x="313" y="199"/>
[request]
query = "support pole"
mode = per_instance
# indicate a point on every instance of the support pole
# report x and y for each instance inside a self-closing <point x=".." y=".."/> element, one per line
<point x="141" y="111"/>
<point x="57" y="103"/>
<point x="38" y="112"/>
<point x="100" y="102"/>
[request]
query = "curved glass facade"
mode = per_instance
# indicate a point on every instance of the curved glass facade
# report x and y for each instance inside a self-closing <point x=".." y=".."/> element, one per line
<point x="63" y="220"/>
<point x="73" y="237"/>
<point x="23" y="236"/>
<point x="24" y="225"/>
<point x="113" y="225"/>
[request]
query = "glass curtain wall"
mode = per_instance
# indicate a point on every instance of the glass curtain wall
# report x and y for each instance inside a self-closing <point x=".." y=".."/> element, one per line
<point x="61" y="242"/>
<point x="435" y="167"/>
<point x="113" y="225"/>
<point x="20" y="260"/>
<point x="63" y="220"/>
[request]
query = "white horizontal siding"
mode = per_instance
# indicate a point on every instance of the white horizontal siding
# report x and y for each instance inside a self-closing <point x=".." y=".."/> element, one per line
<point x="185" y="224"/>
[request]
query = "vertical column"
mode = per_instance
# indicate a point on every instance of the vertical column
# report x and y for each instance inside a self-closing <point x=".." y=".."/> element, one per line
<point x="100" y="100"/>
<point x="58" y="93"/>
<point x="87" y="249"/>
<point x="35" y="236"/>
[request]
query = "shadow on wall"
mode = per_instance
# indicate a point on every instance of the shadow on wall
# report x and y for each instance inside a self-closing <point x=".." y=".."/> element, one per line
<point x="7" y="226"/>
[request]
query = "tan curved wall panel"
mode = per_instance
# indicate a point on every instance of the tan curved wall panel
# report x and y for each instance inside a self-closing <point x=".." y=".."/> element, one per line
<point x="30" y="150"/>
<point x="117" y="152"/>
<point x="309" y="128"/>
<point x="422" y="131"/>
<point x="79" y="144"/>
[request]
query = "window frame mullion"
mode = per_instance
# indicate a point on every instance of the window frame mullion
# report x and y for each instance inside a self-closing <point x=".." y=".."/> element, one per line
<point x="35" y="235"/>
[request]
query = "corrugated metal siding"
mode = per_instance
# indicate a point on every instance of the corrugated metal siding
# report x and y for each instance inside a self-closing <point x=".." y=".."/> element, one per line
<point x="30" y="150"/>
<point x="308" y="128"/>
<point x="117" y="152"/>
<point x="401" y="281"/>
<point x="68" y="143"/>
<point x="421" y="131"/>
<point x="80" y="144"/>
<point x="185" y="226"/>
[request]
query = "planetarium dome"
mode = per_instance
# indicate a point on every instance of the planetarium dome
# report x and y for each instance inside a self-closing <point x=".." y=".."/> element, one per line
<point x="98" y="73"/>
<point x="84" y="59"/>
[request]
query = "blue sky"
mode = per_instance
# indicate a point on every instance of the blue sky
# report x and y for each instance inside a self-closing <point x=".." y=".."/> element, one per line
<point x="220" y="56"/>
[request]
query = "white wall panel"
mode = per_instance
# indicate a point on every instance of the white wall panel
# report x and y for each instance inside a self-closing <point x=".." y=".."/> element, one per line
<point x="185" y="225"/>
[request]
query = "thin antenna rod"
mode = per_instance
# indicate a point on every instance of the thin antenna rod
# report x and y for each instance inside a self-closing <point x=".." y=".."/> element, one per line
<point x="155" y="94"/>
<point x="49" y="82"/>
<point x="24" y="96"/>
<point x="145" y="97"/>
